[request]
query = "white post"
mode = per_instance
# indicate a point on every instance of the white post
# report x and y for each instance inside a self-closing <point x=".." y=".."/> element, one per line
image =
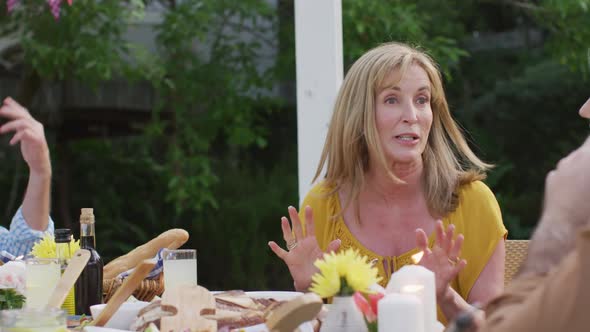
<point x="318" y="44"/>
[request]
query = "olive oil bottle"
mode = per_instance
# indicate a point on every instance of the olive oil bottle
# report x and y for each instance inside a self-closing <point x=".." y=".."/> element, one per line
<point x="88" y="289"/>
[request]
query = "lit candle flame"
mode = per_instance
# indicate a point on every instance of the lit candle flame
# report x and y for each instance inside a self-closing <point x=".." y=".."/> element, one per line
<point x="408" y="289"/>
<point x="417" y="257"/>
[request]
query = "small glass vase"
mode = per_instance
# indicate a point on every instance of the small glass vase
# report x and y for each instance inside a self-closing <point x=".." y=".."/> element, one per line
<point x="343" y="316"/>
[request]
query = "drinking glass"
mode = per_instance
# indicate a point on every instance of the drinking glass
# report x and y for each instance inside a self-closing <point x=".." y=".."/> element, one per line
<point x="33" y="320"/>
<point x="180" y="268"/>
<point x="41" y="277"/>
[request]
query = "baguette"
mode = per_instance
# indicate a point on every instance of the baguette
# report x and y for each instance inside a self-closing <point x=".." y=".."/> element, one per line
<point x="171" y="239"/>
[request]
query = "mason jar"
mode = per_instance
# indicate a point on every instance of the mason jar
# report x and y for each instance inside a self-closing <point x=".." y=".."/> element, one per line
<point x="33" y="320"/>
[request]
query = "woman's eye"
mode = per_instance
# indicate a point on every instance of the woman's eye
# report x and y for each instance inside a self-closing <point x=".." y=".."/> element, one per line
<point x="391" y="100"/>
<point x="422" y="100"/>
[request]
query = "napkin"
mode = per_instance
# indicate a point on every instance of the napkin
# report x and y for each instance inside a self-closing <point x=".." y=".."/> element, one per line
<point x="6" y="257"/>
<point x="12" y="275"/>
<point x="154" y="273"/>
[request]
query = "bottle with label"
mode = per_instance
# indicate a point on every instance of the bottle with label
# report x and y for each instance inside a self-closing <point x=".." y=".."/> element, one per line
<point x="89" y="285"/>
<point x="63" y="237"/>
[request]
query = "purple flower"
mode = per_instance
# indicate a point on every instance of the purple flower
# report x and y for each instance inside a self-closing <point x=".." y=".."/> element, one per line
<point x="55" y="7"/>
<point x="10" y="4"/>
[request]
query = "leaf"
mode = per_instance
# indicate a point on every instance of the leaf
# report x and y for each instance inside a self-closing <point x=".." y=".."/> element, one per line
<point x="10" y="299"/>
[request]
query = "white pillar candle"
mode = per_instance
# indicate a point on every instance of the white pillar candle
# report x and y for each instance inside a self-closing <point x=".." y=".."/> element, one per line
<point x="416" y="290"/>
<point x="419" y="281"/>
<point x="400" y="313"/>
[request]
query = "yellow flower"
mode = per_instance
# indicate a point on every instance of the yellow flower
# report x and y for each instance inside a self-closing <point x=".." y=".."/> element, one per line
<point x="327" y="283"/>
<point x="361" y="276"/>
<point x="46" y="247"/>
<point x="343" y="273"/>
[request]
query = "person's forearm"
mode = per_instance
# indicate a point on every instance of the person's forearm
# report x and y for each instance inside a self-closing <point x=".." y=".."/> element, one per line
<point x="451" y="304"/>
<point x="35" y="207"/>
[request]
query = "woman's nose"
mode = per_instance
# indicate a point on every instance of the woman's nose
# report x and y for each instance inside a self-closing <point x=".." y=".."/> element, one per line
<point x="409" y="114"/>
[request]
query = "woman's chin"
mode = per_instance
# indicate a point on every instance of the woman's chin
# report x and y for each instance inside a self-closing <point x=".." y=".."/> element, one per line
<point x="406" y="158"/>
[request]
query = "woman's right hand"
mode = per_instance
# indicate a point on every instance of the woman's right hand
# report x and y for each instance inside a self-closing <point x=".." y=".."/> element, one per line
<point x="443" y="258"/>
<point x="302" y="249"/>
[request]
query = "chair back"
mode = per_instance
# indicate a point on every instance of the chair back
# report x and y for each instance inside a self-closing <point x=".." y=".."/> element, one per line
<point x="516" y="251"/>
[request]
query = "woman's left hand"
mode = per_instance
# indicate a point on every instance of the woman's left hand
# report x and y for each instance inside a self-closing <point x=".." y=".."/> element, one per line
<point x="443" y="259"/>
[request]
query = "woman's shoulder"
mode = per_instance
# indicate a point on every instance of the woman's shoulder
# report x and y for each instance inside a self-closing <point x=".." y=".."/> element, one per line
<point x="322" y="187"/>
<point x="475" y="189"/>
<point x="321" y="191"/>
<point x="476" y="194"/>
<point x="478" y="208"/>
<point x="323" y="199"/>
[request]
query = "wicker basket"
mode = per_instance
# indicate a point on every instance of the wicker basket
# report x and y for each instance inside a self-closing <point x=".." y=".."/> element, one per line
<point x="516" y="251"/>
<point x="144" y="292"/>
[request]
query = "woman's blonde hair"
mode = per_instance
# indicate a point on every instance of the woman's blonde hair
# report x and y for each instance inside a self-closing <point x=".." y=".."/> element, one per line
<point x="352" y="135"/>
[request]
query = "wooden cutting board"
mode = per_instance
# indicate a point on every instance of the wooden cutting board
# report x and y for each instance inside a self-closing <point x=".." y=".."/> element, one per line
<point x="68" y="279"/>
<point x="288" y="316"/>
<point x="123" y="292"/>
<point x="190" y="302"/>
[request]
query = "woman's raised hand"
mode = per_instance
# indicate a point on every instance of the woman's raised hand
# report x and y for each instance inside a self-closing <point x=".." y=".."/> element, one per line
<point x="302" y="248"/>
<point x="443" y="259"/>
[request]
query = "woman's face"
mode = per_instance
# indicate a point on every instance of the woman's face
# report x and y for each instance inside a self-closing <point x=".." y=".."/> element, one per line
<point x="585" y="110"/>
<point x="403" y="115"/>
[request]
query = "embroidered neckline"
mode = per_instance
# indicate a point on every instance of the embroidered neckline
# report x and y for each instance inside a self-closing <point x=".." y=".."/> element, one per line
<point x="385" y="264"/>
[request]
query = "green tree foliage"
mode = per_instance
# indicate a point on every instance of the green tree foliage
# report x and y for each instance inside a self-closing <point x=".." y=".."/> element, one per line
<point x="569" y="37"/>
<point x="212" y="104"/>
<point x="218" y="159"/>
<point x="85" y="43"/>
<point x="525" y="125"/>
<point x="214" y="91"/>
<point x="428" y="24"/>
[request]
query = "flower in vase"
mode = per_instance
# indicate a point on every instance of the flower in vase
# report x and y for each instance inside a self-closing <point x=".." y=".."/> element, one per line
<point x="364" y="306"/>
<point x="374" y="300"/>
<point x="46" y="247"/>
<point x="342" y="274"/>
<point x="367" y="304"/>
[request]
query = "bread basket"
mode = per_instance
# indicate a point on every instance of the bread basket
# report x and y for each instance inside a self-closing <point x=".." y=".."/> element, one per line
<point x="145" y="292"/>
<point x="171" y="239"/>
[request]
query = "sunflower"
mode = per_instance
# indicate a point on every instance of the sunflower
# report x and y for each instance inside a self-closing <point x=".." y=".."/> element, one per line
<point x="342" y="274"/>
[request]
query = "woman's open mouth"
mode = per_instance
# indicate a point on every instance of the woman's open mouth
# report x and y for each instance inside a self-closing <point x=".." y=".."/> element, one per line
<point x="407" y="138"/>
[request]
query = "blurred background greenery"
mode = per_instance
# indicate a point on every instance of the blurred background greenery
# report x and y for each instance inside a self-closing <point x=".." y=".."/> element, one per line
<point x="208" y="143"/>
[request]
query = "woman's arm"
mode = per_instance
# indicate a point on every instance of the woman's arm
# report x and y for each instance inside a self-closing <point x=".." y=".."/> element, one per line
<point x="33" y="145"/>
<point x="490" y="282"/>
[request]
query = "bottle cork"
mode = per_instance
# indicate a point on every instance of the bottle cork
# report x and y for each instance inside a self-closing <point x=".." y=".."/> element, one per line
<point x="87" y="216"/>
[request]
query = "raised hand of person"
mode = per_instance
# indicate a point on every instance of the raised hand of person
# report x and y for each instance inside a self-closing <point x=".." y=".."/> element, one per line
<point x="443" y="259"/>
<point x="31" y="136"/>
<point x="29" y="133"/>
<point x="302" y="247"/>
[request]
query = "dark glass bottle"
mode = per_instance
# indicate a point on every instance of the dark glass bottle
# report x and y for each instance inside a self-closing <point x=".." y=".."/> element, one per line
<point x="89" y="285"/>
<point x="63" y="237"/>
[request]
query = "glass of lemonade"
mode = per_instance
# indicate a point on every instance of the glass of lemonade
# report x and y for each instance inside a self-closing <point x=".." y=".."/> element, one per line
<point x="41" y="277"/>
<point x="33" y="320"/>
<point x="180" y="268"/>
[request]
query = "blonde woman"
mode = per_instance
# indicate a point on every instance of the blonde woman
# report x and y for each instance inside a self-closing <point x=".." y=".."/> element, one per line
<point x="398" y="168"/>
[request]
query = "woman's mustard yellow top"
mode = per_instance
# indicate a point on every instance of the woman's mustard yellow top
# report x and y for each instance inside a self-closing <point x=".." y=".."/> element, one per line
<point x="477" y="217"/>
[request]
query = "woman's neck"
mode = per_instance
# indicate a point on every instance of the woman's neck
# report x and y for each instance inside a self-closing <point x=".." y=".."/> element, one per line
<point x="379" y="182"/>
